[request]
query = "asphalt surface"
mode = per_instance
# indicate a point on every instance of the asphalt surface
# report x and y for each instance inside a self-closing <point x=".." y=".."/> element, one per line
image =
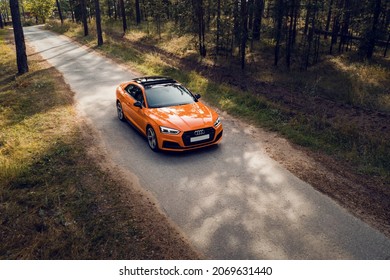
<point x="231" y="201"/>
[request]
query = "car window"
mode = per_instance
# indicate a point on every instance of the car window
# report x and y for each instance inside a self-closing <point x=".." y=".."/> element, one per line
<point x="135" y="92"/>
<point x="168" y="95"/>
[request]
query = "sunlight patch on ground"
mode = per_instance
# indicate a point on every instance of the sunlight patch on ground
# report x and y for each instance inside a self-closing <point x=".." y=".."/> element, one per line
<point x="260" y="199"/>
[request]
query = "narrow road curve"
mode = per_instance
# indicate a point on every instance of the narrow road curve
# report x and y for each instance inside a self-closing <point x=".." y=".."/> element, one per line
<point x="231" y="201"/>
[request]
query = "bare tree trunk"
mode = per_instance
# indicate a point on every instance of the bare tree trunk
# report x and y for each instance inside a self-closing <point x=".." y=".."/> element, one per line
<point x="250" y="8"/>
<point x="218" y="27"/>
<point x="307" y="18"/>
<point x="167" y="4"/>
<point x="137" y="12"/>
<point x="328" y="19"/>
<point x="279" y="26"/>
<point x="1" y="21"/>
<point x="345" y="26"/>
<point x="109" y="9"/>
<point x="123" y="13"/>
<point x="6" y="16"/>
<point x="236" y="22"/>
<point x="244" y="31"/>
<point x="59" y="11"/>
<point x="116" y="8"/>
<point x="84" y="17"/>
<point x="199" y="18"/>
<point x="296" y="15"/>
<point x="21" y="57"/>
<point x="72" y="9"/>
<point x="373" y="32"/>
<point x="335" y="31"/>
<point x="258" y="15"/>
<point x="387" y="46"/>
<point x="98" y="24"/>
<point x="289" y="42"/>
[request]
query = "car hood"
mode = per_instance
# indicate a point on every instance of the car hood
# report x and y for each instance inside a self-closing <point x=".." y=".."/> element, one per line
<point x="184" y="117"/>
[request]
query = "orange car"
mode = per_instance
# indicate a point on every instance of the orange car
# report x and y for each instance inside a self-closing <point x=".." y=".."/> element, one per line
<point x="168" y="114"/>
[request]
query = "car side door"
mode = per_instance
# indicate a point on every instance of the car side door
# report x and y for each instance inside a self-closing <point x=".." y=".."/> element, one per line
<point x="127" y="102"/>
<point x="135" y="113"/>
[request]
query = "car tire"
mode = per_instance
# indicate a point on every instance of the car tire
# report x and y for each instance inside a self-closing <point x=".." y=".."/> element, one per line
<point x="152" y="139"/>
<point x="119" y="111"/>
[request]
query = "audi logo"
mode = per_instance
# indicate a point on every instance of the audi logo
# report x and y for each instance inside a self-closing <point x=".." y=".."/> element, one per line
<point x="199" y="132"/>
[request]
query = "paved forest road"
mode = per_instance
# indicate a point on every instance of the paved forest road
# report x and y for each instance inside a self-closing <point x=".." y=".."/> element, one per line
<point x="233" y="201"/>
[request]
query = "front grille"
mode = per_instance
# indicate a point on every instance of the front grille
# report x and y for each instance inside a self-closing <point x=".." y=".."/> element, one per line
<point x="189" y="134"/>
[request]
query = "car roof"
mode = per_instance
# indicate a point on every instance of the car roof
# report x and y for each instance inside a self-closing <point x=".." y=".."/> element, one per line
<point x="154" y="80"/>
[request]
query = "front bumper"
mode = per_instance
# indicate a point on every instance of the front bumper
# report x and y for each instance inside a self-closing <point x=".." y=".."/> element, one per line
<point x="183" y="142"/>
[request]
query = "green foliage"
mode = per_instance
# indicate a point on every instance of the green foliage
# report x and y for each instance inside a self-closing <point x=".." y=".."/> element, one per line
<point x="4" y="6"/>
<point x="40" y="8"/>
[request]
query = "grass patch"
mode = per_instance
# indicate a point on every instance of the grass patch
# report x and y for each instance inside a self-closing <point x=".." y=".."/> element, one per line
<point x="55" y="201"/>
<point x="341" y="79"/>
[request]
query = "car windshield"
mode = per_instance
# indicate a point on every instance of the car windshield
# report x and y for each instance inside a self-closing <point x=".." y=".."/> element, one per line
<point x="168" y="95"/>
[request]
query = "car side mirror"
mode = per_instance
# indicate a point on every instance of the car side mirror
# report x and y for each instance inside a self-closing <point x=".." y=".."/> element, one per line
<point x="197" y="96"/>
<point x="138" y="104"/>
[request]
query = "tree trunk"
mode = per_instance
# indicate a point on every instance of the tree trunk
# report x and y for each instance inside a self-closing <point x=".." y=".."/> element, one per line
<point x="84" y="17"/>
<point x="109" y="9"/>
<point x="374" y="29"/>
<point x="218" y="27"/>
<point x="296" y="15"/>
<point x="335" y="31"/>
<point x="328" y="19"/>
<point x="115" y="10"/>
<point x="244" y="31"/>
<point x="6" y="16"/>
<point x="98" y="23"/>
<point x="21" y="57"/>
<point x="166" y="4"/>
<point x="137" y="12"/>
<point x="236" y="23"/>
<point x="279" y="26"/>
<point x="72" y="10"/>
<point x="387" y="46"/>
<point x="289" y="42"/>
<point x="258" y="15"/>
<point x="317" y="49"/>
<point x="199" y="20"/>
<point x="345" y="25"/>
<point x="123" y="13"/>
<point x="307" y="18"/>
<point x="1" y="21"/>
<point x="60" y="12"/>
<point x="250" y="8"/>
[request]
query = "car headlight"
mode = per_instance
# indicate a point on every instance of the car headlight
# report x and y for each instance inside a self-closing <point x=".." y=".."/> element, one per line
<point x="167" y="130"/>
<point x="217" y="122"/>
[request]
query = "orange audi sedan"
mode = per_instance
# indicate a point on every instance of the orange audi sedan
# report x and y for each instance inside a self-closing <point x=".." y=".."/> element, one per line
<point x="168" y="114"/>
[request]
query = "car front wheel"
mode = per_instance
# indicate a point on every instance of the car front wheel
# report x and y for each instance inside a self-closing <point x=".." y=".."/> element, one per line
<point x="152" y="139"/>
<point x="119" y="110"/>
